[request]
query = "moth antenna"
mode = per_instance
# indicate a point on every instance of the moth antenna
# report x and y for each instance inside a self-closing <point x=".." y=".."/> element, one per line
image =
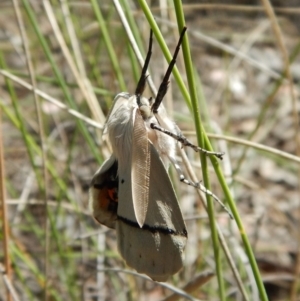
<point x="184" y="141"/>
<point x="142" y="81"/>
<point x="197" y="185"/>
<point x="165" y="82"/>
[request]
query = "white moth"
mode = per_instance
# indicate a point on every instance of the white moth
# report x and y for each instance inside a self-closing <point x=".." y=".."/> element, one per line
<point x="132" y="191"/>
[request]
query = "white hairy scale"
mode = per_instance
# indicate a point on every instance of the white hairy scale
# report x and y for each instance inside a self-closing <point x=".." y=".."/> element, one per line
<point x="120" y="123"/>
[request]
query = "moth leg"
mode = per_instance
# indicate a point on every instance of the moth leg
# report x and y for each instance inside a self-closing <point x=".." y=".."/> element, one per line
<point x="184" y="141"/>
<point x="197" y="185"/>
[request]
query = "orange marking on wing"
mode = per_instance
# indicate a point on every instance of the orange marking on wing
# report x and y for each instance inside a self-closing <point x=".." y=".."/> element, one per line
<point x="107" y="197"/>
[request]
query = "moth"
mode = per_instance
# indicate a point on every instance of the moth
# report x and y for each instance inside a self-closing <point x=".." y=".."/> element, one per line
<point x="132" y="192"/>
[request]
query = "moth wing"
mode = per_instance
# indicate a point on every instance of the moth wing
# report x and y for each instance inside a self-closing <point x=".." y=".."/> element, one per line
<point x="140" y="169"/>
<point x="119" y="100"/>
<point x="157" y="248"/>
<point x="103" y="193"/>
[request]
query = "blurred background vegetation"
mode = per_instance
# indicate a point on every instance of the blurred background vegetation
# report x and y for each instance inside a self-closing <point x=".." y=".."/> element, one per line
<point x="77" y="54"/>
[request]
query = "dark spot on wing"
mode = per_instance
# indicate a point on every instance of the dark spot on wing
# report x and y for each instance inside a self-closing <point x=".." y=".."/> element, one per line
<point x="113" y="205"/>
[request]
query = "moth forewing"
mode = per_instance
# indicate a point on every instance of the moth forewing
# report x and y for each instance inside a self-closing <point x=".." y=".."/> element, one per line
<point x="157" y="248"/>
<point x="119" y="128"/>
<point x="120" y="100"/>
<point x="140" y="168"/>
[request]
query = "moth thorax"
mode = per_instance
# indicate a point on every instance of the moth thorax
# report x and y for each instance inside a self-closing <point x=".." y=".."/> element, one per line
<point x="145" y="108"/>
<point x="145" y="111"/>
